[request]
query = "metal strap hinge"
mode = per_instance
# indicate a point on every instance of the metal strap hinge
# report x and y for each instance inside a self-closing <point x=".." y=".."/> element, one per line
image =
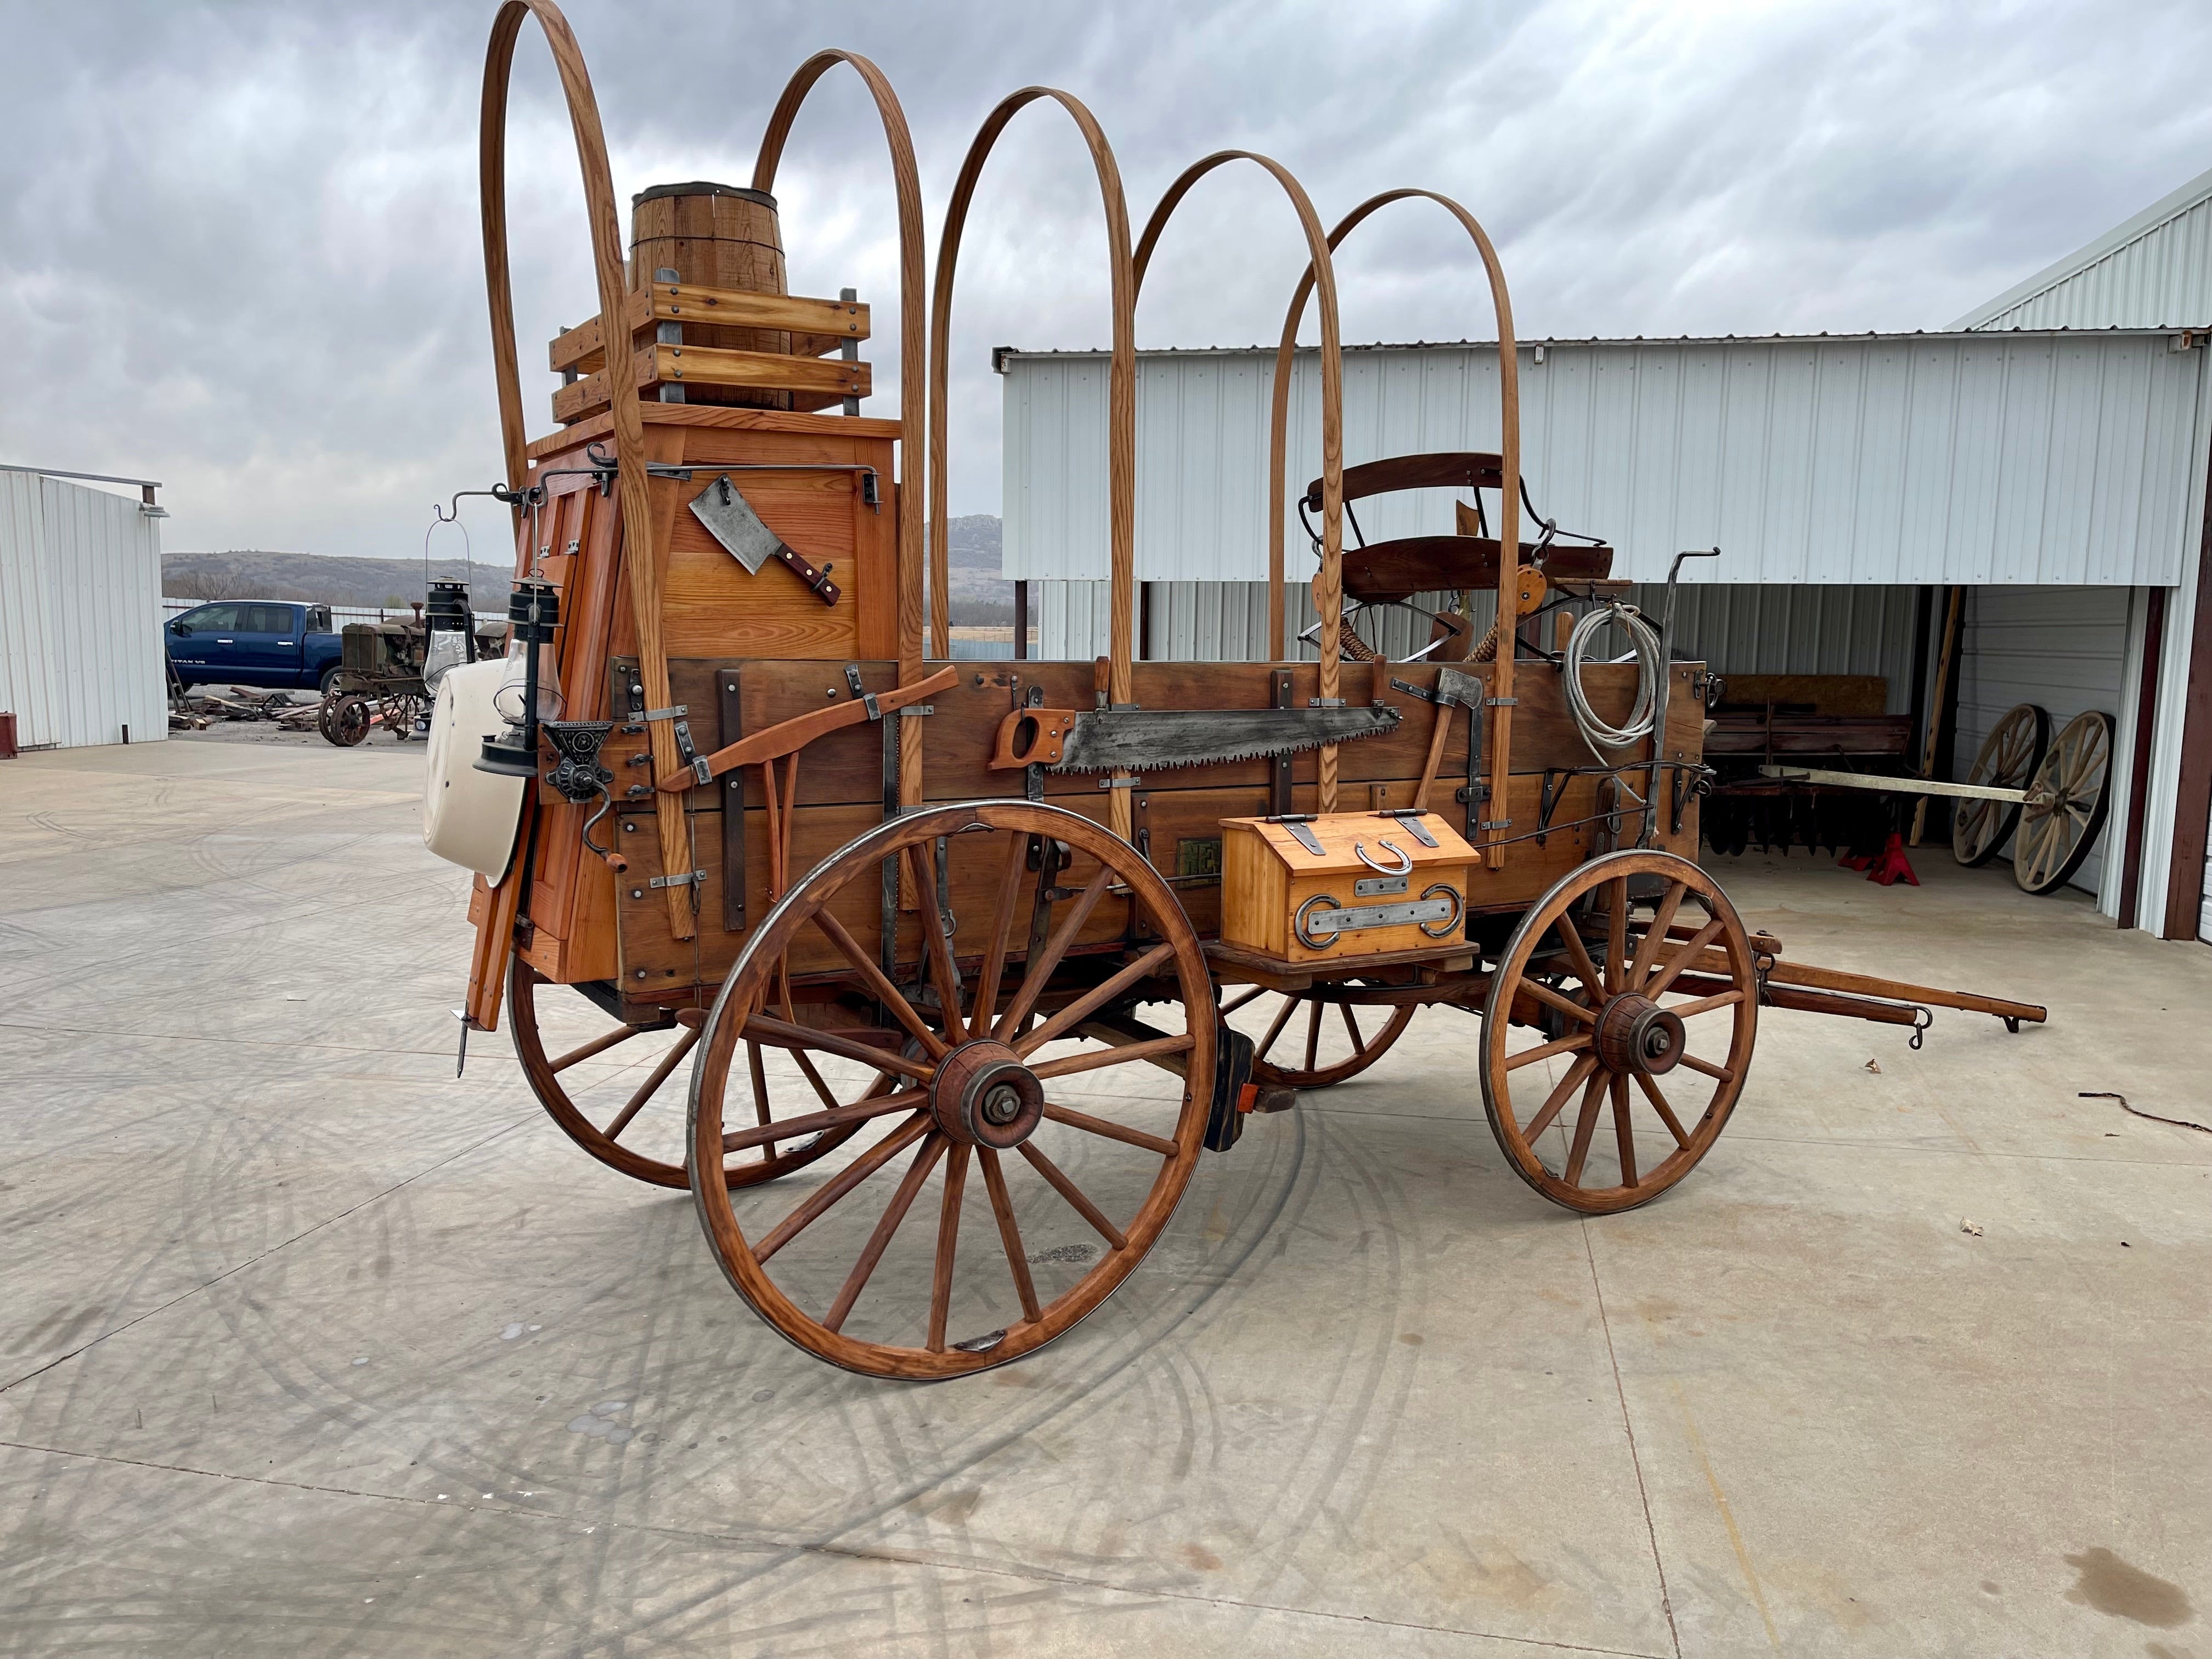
<point x="683" y="880"/>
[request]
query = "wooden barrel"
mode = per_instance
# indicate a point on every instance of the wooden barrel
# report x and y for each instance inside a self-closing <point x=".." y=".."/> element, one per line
<point x="717" y="236"/>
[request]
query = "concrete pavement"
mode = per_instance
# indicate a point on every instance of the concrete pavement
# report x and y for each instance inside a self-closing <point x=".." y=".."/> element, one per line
<point x="306" y="1348"/>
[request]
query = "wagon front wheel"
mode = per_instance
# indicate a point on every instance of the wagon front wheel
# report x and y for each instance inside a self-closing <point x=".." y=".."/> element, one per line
<point x="1626" y="1000"/>
<point x="1041" y="1167"/>
<point x="1314" y="1038"/>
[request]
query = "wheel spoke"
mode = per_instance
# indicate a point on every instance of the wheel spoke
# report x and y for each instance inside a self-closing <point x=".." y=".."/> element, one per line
<point x="1010" y="1235"/>
<point x="1282" y="1018"/>
<point x="778" y="1034"/>
<point x="1074" y="1194"/>
<point x="759" y="1075"/>
<point x="850" y="1176"/>
<point x="598" y="1045"/>
<point x="934" y="948"/>
<point x="879" y="1240"/>
<point x="1616" y="934"/>
<point x="879" y="985"/>
<point x="948" y="1241"/>
<point x="1565" y="1045"/>
<point x="1352" y="1028"/>
<point x="1099" y="1126"/>
<point x="1666" y="1112"/>
<point x="1577" y="1074"/>
<point x="1040" y="970"/>
<point x="1656" y="935"/>
<point x="669" y="1062"/>
<point x="1002" y="923"/>
<point x="1313" y="1033"/>
<point x="1585" y="1125"/>
<point x="1719" y="1073"/>
<point x="1689" y="953"/>
<point x="1092" y="1060"/>
<point x="792" y="1128"/>
<point x="1088" y="1004"/>
<point x="1623" y="1134"/>
<point x="1706" y="1005"/>
<point x="1551" y="998"/>
<point x="1578" y="954"/>
<point x="1230" y="1008"/>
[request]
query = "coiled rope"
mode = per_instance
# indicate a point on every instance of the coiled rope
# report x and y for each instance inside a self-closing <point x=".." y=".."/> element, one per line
<point x="1644" y="643"/>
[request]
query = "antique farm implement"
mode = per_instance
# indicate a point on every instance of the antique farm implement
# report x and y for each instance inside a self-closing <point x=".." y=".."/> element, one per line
<point x="965" y="965"/>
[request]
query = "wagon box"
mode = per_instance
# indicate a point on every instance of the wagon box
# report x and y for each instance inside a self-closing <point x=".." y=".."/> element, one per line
<point x="1344" y="885"/>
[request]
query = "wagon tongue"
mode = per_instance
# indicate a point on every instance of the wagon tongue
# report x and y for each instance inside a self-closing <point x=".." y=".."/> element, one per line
<point x="1146" y="740"/>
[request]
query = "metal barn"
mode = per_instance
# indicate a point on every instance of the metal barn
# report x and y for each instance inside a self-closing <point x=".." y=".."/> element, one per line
<point x="2054" y="475"/>
<point x="80" y="657"/>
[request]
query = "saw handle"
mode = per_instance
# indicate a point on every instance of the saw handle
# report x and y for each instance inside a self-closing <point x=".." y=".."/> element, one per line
<point x="1031" y="737"/>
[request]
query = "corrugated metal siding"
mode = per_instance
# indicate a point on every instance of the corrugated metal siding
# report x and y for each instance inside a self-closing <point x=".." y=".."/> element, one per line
<point x="1896" y="460"/>
<point x="1737" y="629"/>
<point x="26" y="680"/>
<point x="82" y="656"/>
<point x="2152" y="271"/>
<point x="2066" y="648"/>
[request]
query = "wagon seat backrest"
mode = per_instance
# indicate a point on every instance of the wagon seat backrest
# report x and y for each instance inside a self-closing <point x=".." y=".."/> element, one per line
<point x="1392" y="572"/>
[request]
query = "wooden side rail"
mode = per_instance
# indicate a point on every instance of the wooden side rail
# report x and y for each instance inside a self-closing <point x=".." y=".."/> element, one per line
<point x="813" y="382"/>
<point x="815" y="326"/>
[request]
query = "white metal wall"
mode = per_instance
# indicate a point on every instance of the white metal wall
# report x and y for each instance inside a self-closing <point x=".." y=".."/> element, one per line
<point x="80" y="580"/>
<point x="1891" y="460"/>
<point x="2155" y="270"/>
<point x="2065" y="649"/>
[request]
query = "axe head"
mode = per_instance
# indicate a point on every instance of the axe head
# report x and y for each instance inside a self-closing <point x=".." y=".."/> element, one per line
<point x="1457" y="685"/>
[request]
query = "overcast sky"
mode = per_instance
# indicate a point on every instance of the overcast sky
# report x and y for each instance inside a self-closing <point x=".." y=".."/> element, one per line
<point x="241" y="255"/>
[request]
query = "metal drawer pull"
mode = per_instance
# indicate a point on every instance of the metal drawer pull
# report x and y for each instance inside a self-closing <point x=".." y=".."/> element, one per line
<point x="1405" y="860"/>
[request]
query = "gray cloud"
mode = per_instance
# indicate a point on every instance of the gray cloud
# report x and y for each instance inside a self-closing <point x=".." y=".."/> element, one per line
<point x="241" y="255"/>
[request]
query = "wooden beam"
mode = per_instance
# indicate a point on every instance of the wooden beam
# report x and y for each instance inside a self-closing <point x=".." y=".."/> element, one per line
<point x="2146" y="714"/>
<point x="816" y="325"/>
<point x="830" y="379"/>
<point x="2185" y="879"/>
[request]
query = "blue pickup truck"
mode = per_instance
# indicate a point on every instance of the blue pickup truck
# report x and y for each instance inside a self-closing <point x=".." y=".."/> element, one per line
<point x="253" y="642"/>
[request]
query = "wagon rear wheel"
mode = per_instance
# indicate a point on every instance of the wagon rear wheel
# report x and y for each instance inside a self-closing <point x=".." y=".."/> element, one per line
<point x="1042" y="1170"/>
<point x="1309" y="1040"/>
<point x="2066" y="803"/>
<point x="1635" y="1015"/>
<point x="617" y="1088"/>
<point x="2009" y="757"/>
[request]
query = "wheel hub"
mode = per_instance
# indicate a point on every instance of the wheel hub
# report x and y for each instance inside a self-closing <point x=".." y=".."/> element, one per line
<point x="1635" y="1033"/>
<point x="983" y="1096"/>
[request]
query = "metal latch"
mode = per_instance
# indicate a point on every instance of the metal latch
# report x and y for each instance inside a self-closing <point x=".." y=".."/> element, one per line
<point x="867" y="698"/>
<point x="685" y="881"/>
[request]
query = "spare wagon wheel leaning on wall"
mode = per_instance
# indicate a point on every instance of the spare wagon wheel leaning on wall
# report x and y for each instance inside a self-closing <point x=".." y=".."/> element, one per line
<point x="978" y="1065"/>
<point x="2007" y="760"/>
<point x="2067" y="800"/>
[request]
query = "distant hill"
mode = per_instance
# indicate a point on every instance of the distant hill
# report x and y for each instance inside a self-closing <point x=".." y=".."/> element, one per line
<point x="324" y="579"/>
<point x="979" y="596"/>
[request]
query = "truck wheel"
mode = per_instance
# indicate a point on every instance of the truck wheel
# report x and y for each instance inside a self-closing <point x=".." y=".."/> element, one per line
<point x="330" y="678"/>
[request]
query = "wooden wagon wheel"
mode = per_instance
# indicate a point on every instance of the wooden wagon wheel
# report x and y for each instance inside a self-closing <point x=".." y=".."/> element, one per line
<point x="2009" y="757"/>
<point x="1298" y="1042"/>
<point x="1594" y="1008"/>
<point x="971" y="1094"/>
<point x="2066" y="805"/>
<point x="624" y="1105"/>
